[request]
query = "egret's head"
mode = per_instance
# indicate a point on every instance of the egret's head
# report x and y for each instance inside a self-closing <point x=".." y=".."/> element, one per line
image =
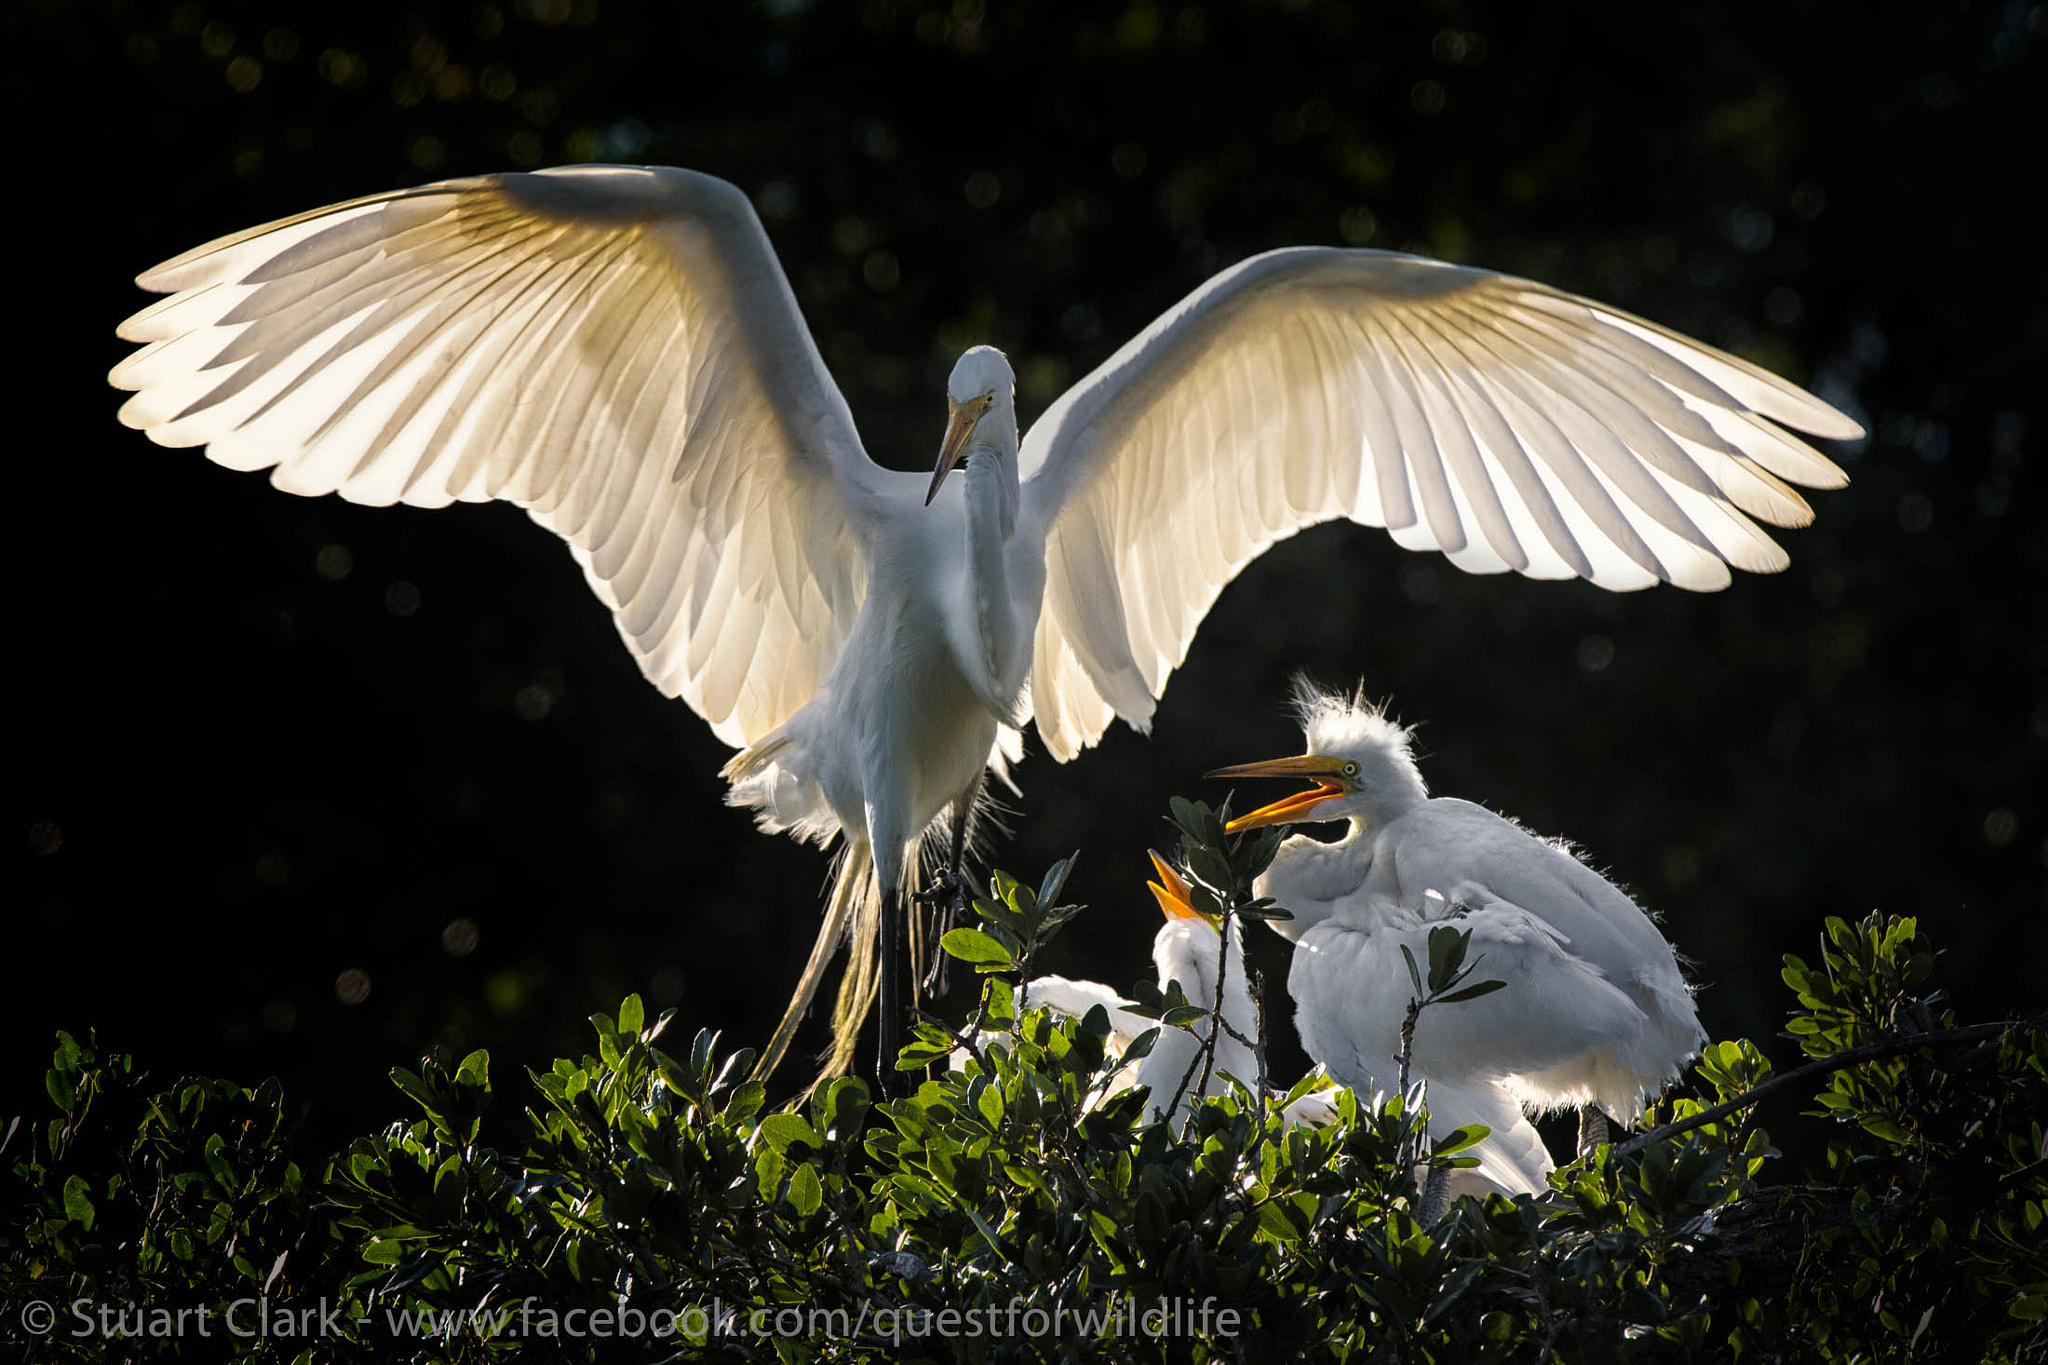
<point x="1359" y="764"/>
<point x="1190" y="943"/>
<point x="1176" y="902"/>
<point x="981" y="381"/>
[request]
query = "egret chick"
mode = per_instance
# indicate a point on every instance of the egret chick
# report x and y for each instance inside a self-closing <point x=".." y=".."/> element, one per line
<point x="1596" y="1013"/>
<point x="1189" y="949"/>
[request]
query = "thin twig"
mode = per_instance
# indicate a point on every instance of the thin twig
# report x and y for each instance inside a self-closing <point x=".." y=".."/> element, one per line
<point x="967" y="1042"/>
<point x="1411" y="1144"/>
<point x="1408" y="1039"/>
<point x="1222" y="993"/>
<point x="1891" y="1047"/>
<point x="1258" y="980"/>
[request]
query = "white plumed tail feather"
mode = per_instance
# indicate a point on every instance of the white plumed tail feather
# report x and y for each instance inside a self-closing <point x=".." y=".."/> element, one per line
<point x="853" y="914"/>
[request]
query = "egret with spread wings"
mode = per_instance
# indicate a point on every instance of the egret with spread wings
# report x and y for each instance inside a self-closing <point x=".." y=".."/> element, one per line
<point x="616" y="350"/>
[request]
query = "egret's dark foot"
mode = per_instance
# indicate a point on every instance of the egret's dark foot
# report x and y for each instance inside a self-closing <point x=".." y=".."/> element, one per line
<point x="944" y="890"/>
<point x="948" y="892"/>
<point x="1436" y="1198"/>
<point x="1592" y="1129"/>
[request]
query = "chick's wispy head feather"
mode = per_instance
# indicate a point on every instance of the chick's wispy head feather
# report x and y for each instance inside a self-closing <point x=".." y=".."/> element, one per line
<point x="1353" y="729"/>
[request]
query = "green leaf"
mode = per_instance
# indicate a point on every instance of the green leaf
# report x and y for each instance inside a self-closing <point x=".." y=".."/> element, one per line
<point x="1056" y="880"/>
<point x="1447" y="947"/>
<point x="1265" y="908"/>
<point x="78" y="1201"/>
<point x="1473" y="992"/>
<point x="780" y="1129"/>
<point x="415" y="1085"/>
<point x="1458" y="1139"/>
<point x="919" y="1055"/>
<point x="632" y="1016"/>
<point x="1278" y="1219"/>
<point x="1413" y="975"/>
<point x="805" y="1191"/>
<point x="1193" y="818"/>
<point x="972" y="945"/>
<point x="746" y="1101"/>
<point x="383" y="1252"/>
<point x="1209" y="864"/>
<point x="845" y="1105"/>
<point x="475" y="1069"/>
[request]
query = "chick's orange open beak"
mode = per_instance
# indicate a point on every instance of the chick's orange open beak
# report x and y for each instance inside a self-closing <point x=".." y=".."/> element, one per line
<point x="1171" y="891"/>
<point x="1326" y="773"/>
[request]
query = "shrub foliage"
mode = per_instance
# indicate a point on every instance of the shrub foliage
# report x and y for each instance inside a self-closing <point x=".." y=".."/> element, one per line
<point x="649" y="1205"/>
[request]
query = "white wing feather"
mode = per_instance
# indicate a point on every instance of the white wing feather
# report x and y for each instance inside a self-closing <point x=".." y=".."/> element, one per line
<point x="612" y="348"/>
<point x="1505" y="423"/>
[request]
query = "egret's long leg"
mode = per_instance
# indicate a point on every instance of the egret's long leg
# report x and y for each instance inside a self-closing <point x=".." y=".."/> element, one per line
<point x="895" y="1007"/>
<point x="949" y="892"/>
<point x="1592" y="1128"/>
<point x="1435" y="1199"/>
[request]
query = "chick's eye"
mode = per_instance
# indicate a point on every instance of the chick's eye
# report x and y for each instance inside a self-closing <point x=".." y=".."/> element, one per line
<point x="1350" y="770"/>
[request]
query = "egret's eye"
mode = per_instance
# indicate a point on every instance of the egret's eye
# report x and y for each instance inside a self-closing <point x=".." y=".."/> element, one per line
<point x="1350" y="770"/>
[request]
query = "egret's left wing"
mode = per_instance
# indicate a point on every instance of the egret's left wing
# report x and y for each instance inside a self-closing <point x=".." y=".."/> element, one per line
<point x="612" y="348"/>
<point x="1505" y="423"/>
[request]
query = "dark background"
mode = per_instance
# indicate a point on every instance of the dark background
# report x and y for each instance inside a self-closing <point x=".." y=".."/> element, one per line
<point x="312" y="790"/>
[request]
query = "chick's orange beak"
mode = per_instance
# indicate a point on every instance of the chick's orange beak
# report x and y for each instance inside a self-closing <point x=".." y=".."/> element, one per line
<point x="1171" y="891"/>
<point x="1326" y="773"/>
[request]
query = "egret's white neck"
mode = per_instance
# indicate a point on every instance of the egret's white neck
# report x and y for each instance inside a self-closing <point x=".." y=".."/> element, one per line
<point x="991" y="493"/>
<point x="1309" y="877"/>
<point x="991" y="475"/>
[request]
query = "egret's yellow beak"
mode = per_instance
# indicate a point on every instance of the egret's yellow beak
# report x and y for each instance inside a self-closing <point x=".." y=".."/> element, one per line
<point x="960" y="422"/>
<point x="1171" y="891"/>
<point x="1329" y="777"/>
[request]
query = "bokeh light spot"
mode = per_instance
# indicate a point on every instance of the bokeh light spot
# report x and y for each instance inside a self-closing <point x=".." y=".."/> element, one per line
<point x="272" y="870"/>
<point x="334" y="563"/>
<point x="461" y="936"/>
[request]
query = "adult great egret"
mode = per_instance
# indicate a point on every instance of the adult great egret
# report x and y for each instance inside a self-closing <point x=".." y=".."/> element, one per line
<point x="616" y="350"/>
<point x="1595" y="1014"/>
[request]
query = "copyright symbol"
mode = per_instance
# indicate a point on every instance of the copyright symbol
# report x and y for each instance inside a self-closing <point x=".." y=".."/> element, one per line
<point x="38" y="1317"/>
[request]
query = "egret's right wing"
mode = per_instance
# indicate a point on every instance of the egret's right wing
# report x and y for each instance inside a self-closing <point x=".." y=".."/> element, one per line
<point x="612" y="348"/>
<point x="1505" y="423"/>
